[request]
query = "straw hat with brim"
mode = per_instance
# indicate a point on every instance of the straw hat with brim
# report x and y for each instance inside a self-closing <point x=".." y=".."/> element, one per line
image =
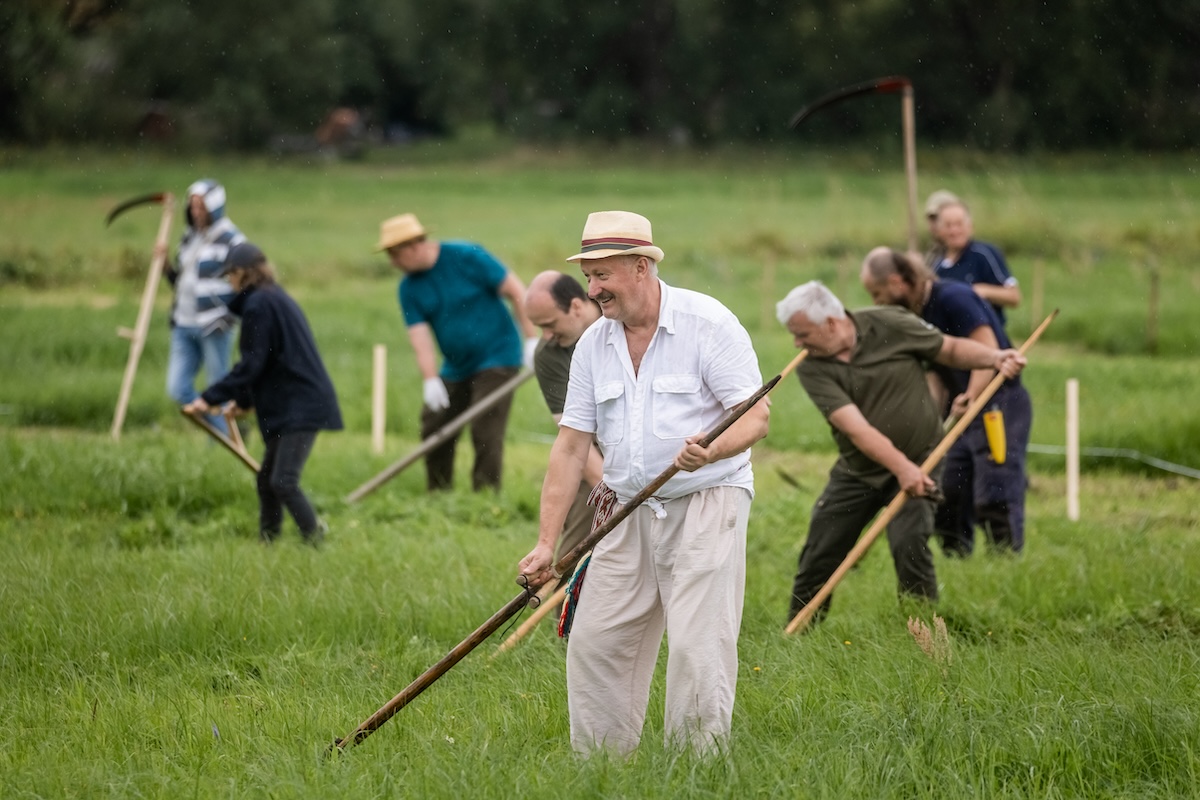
<point x="937" y="200"/>
<point x="617" y="233"/>
<point x="399" y="230"/>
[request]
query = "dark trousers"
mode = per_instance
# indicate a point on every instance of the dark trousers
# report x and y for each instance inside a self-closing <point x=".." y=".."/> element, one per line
<point x="978" y="490"/>
<point x="279" y="484"/>
<point x="839" y="516"/>
<point x="576" y="527"/>
<point x="487" y="431"/>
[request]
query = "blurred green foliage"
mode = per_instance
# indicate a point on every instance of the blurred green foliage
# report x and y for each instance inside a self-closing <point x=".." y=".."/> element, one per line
<point x="1012" y="75"/>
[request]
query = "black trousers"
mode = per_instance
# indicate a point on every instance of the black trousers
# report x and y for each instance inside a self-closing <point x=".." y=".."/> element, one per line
<point x="279" y="484"/>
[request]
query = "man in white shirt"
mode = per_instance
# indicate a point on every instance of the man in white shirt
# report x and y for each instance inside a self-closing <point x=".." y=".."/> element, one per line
<point x="663" y="366"/>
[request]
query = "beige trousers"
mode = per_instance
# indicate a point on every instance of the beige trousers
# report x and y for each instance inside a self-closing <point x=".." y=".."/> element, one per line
<point x="680" y="566"/>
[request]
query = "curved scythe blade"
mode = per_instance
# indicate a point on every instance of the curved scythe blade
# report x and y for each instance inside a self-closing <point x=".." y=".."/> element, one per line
<point x="153" y="197"/>
<point x="894" y="83"/>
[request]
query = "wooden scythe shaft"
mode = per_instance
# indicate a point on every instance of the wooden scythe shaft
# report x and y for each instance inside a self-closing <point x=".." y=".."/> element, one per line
<point x="441" y="436"/>
<point x="226" y="442"/>
<point x="512" y="607"/>
<point x="806" y="614"/>
<point x="545" y="606"/>
<point x="142" y="327"/>
<point x="908" y="119"/>
<point x="235" y="435"/>
<point x="895" y="83"/>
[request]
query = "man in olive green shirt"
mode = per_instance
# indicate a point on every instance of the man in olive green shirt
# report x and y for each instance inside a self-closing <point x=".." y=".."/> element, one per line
<point x="866" y="374"/>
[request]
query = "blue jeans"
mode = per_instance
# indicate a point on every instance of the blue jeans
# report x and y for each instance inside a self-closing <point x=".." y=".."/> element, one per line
<point x="191" y="348"/>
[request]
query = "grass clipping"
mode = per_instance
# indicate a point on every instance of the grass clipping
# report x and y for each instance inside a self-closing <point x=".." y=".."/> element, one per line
<point x="933" y="643"/>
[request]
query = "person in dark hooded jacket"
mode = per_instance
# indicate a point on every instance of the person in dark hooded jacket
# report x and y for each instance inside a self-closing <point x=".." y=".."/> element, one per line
<point x="280" y="376"/>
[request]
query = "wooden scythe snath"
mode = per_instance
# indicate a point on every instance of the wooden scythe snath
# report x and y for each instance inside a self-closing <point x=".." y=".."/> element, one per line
<point x="895" y="83"/>
<point x="442" y="435"/>
<point x="237" y="448"/>
<point x="805" y="615"/>
<point x="512" y="607"/>
<point x="546" y="604"/>
<point x="138" y="335"/>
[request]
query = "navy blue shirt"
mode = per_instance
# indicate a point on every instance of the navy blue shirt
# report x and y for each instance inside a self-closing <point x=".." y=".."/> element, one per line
<point x="280" y="375"/>
<point x="979" y="262"/>
<point x="954" y="308"/>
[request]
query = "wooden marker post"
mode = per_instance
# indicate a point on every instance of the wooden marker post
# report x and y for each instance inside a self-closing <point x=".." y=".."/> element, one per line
<point x="1152" y="311"/>
<point x="378" y="397"/>
<point x="1073" y="450"/>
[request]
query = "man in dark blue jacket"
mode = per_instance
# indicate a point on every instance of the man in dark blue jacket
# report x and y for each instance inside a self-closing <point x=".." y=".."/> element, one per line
<point x="282" y="378"/>
<point x="980" y="484"/>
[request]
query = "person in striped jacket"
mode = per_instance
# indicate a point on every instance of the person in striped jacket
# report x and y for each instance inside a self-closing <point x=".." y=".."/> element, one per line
<point x="201" y="323"/>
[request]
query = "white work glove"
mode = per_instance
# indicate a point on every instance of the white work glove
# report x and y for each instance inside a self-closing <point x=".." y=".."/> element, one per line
<point x="530" y="346"/>
<point x="436" y="396"/>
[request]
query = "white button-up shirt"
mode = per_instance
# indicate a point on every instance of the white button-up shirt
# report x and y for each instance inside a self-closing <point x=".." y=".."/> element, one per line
<point x="700" y="363"/>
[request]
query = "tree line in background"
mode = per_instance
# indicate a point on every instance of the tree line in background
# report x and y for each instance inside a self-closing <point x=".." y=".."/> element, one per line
<point x="1012" y="74"/>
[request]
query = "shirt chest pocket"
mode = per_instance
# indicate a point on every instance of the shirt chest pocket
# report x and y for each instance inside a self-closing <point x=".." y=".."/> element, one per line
<point x="610" y="412"/>
<point x="678" y="406"/>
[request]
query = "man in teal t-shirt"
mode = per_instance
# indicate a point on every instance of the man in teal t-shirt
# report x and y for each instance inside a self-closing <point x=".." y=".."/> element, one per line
<point x="453" y="293"/>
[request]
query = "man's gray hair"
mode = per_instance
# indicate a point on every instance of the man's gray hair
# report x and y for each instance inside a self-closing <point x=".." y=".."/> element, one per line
<point x="814" y="300"/>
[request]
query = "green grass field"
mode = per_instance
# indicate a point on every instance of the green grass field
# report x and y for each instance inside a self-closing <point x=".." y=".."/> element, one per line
<point x="152" y="648"/>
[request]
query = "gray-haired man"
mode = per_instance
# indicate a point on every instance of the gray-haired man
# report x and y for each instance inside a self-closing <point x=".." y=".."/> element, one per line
<point x="865" y="374"/>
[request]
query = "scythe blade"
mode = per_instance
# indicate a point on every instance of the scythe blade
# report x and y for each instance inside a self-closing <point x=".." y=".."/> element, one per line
<point x="153" y="197"/>
<point x="894" y="83"/>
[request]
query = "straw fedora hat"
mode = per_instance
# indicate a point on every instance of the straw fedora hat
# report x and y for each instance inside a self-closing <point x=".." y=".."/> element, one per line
<point x="617" y="233"/>
<point x="399" y="230"/>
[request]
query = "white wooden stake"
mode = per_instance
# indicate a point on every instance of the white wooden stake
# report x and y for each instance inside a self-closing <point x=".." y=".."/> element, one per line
<point x="1073" y="450"/>
<point x="378" y="398"/>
